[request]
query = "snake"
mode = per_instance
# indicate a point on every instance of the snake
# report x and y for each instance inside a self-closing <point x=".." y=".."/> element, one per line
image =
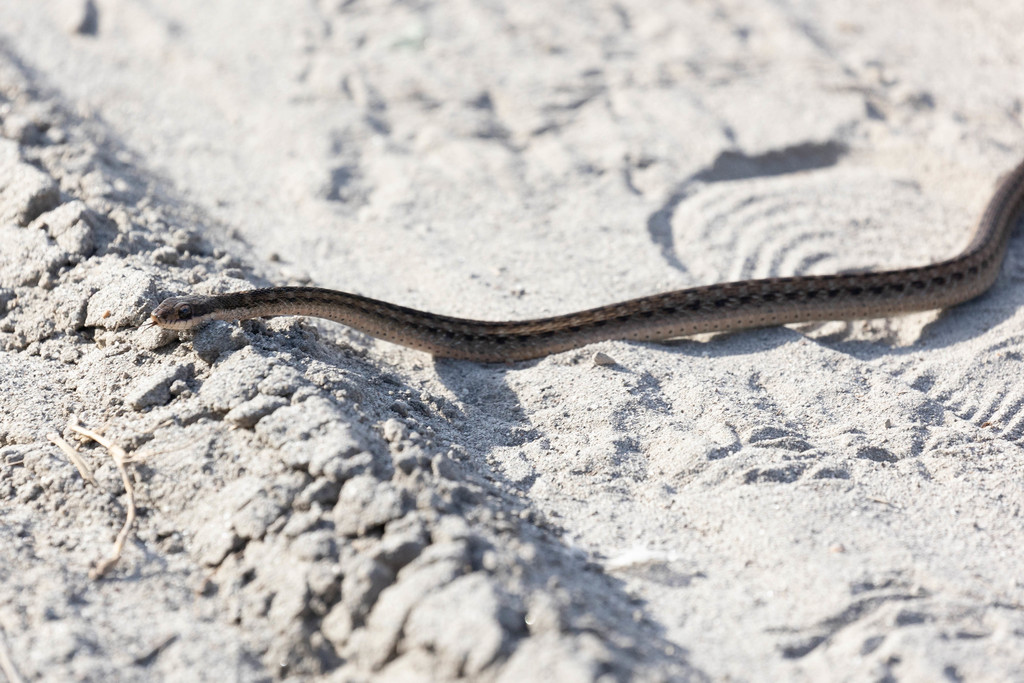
<point x="722" y="307"/>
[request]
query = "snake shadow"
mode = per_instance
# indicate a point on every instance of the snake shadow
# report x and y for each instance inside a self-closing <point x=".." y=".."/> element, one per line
<point x="491" y="414"/>
<point x="957" y="324"/>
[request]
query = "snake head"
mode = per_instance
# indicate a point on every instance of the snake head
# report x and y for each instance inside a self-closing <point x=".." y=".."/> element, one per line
<point x="177" y="313"/>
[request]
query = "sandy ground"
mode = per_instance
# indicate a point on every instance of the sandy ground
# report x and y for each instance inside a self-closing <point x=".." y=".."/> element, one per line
<point x="834" y="501"/>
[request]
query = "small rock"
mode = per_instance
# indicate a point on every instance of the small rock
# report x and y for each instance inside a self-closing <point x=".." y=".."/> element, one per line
<point x="125" y="300"/>
<point x="151" y="337"/>
<point x="290" y="595"/>
<point x="366" y="503"/>
<point x="324" y="580"/>
<point x="404" y="539"/>
<point x="56" y="136"/>
<point x="154" y="389"/>
<point x="70" y="308"/>
<point x="444" y="467"/>
<point x="337" y="625"/>
<point x="451" y="528"/>
<point x="233" y="381"/>
<point x="332" y="452"/>
<point x="297" y="424"/>
<point x="281" y="381"/>
<point x="411" y="459"/>
<point x="436" y="566"/>
<point x="95" y="185"/>
<point x="394" y="430"/>
<point x="6" y="297"/>
<point x="314" y="546"/>
<point x="603" y="359"/>
<point x="255" y="503"/>
<point x="217" y="338"/>
<point x="247" y="414"/>
<point x="186" y="241"/>
<point x="322" y="491"/>
<point x="214" y="542"/>
<point x="401" y="407"/>
<point x="256" y="516"/>
<point x="167" y="255"/>
<point x="78" y="240"/>
<point x="22" y="129"/>
<point x="343" y="469"/>
<point x="302" y="521"/>
<point x="293" y="455"/>
<point x="25" y="191"/>
<point x="363" y="582"/>
<point x="464" y="623"/>
<point x="29" y="257"/>
<point x="70" y="226"/>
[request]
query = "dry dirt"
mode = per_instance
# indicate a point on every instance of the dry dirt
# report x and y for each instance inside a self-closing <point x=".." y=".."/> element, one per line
<point x="825" y="502"/>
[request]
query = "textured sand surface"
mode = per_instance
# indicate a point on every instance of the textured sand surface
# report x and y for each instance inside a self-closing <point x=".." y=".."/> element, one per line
<point x="840" y="501"/>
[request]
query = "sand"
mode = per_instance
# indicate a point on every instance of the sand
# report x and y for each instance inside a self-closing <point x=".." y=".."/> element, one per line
<point x="836" y="501"/>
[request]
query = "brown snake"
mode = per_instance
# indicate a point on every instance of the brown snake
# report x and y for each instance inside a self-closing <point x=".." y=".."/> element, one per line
<point x="712" y="308"/>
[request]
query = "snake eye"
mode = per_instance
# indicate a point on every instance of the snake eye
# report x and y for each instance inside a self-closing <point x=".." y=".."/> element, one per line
<point x="184" y="312"/>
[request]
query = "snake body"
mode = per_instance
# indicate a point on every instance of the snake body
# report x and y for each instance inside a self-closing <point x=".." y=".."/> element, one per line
<point x="712" y="308"/>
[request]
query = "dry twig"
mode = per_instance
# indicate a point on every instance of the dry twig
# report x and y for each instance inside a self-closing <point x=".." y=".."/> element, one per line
<point x="73" y="456"/>
<point x="6" y="664"/>
<point x="120" y="457"/>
